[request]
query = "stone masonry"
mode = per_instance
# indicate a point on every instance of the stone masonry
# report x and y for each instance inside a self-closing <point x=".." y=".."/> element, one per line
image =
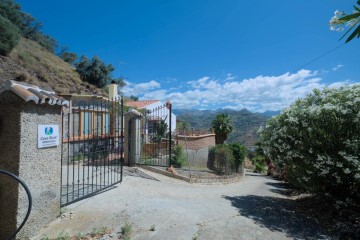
<point x="40" y="169"/>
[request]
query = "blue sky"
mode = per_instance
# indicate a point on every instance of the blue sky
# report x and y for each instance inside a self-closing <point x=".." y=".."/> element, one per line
<point x="207" y="54"/>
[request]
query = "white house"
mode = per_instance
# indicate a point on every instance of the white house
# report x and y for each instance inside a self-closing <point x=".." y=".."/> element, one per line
<point x="155" y="110"/>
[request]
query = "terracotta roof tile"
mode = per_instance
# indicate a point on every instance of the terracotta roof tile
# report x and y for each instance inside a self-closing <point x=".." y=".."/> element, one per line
<point x="140" y="104"/>
<point x="33" y="93"/>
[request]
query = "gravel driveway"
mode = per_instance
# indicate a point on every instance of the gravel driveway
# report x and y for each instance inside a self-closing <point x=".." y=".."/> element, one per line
<point x="254" y="208"/>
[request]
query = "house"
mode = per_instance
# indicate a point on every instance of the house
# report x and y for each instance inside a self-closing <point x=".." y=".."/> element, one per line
<point x="156" y="125"/>
<point x="155" y="111"/>
<point x="90" y="115"/>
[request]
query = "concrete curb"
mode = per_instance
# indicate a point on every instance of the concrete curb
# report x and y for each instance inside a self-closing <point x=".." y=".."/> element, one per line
<point x="192" y="180"/>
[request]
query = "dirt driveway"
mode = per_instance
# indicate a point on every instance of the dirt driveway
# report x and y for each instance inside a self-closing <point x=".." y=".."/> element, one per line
<point x="254" y="208"/>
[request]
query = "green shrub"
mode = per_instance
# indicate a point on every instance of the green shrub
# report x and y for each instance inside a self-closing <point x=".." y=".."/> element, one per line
<point x="316" y="142"/>
<point x="179" y="157"/>
<point x="9" y="36"/>
<point x="221" y="159"/>
<point x="259" y="163"/>
<point x="239" y="152"/>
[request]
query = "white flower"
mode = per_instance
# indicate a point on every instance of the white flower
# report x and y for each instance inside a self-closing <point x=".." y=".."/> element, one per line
<point x="347" y="171"/>
<point x="339" y="164"/>
<point x="324" y="171"/>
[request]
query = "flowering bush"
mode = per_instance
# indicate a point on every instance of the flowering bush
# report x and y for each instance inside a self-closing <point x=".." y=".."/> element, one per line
<point x="316" y="142"/>
<point x="350" y="21"/>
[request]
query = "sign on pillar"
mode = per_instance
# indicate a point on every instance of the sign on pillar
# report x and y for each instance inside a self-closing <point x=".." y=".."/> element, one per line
<point x="48" y="136"/>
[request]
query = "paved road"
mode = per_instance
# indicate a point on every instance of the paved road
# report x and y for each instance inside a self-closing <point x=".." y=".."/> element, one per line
<point x="254" y="208"/>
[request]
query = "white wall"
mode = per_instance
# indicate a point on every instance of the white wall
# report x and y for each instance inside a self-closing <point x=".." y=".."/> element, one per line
<point x="163" y="113"/>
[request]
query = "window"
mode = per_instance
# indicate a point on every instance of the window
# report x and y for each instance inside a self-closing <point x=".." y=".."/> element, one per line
<point x="76" y="124"/>
<point x="106" y="123"/>
<point x="90" y="123"/>
<point x="98" y="123"/>
<point x="86" y="119"/>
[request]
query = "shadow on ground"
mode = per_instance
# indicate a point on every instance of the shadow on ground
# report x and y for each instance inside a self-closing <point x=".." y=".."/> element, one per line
<point x="277" y="214"/>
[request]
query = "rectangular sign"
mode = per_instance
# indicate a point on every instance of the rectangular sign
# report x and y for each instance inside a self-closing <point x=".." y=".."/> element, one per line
<point x="48" y="136"/>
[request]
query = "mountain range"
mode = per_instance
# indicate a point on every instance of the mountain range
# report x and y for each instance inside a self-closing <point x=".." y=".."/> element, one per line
<point x="245" y="123"/>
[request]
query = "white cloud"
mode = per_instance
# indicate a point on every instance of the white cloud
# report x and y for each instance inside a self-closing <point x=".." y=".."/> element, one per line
<point x="199" y="83"/>
<point x="229" y="77"/>
<point x="257" y="94"/>
<point x="140" y="88"/>
<point x="337" y="67"/>
<point x="339" y="84"/>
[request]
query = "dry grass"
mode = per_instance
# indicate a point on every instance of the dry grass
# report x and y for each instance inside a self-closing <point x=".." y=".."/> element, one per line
<point x="42" y="68"/>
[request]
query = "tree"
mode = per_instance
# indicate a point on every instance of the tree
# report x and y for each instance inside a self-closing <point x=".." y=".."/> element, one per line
<point x="222" y="127"/>
<point x="67" y="56"/>
<point x="11" y="11"/>
<point x="94" y="71"/>
<point x="134" y="98"/>
<point x="27" y="24"/>
<point x="9" y="36"/>
<point x="350" y="21"/>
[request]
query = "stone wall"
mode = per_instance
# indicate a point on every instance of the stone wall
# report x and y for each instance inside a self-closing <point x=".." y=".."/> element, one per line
<point x="40" y="169"/>
<point x="9" y="154"/>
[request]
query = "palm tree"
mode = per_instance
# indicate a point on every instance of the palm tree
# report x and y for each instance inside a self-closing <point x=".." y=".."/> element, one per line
<point x="222" y="127"/>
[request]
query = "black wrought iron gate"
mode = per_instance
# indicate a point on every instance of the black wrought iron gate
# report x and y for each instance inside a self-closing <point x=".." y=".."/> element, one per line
<point x="156" y="138"/>
<point x="92" y="147"/>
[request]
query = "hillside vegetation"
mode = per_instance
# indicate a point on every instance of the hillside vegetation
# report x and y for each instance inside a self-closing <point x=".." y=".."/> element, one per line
<point x="245" y="123"/>
<point x="28" y="54"/>
<point x="29" y="62"/>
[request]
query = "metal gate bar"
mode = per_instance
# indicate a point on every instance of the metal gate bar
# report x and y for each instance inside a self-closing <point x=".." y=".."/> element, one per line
<point x="92" y="148"/>
<point x="156" y="142"/>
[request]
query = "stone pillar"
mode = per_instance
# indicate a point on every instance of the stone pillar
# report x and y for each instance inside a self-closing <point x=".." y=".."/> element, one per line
<point x="40" y="168"/>
<point x="241" y="169"/>
<point x="132" y="137"/>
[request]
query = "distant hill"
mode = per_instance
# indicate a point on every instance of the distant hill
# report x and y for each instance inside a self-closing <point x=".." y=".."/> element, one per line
<point x="270" y="113"/>
<point x="245" y="123"/>
<point x="31" y="63"/>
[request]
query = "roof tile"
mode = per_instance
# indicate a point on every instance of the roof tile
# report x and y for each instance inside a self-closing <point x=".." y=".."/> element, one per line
<point x="140" y="104"/>
<point x="33" y="93"/>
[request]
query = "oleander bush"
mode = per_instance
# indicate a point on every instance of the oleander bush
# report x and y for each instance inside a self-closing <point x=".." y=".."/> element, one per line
<point x="316" y="142"/>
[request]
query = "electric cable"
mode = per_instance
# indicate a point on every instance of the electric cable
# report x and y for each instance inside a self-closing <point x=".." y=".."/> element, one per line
<point x="29" y="199"/>
<point x="317" y="58"/>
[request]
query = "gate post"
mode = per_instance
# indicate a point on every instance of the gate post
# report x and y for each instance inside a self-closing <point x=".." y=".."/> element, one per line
<point x="23" y="155"/>
<point x="132" y="139"/>
<point x="170" y="130"/>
